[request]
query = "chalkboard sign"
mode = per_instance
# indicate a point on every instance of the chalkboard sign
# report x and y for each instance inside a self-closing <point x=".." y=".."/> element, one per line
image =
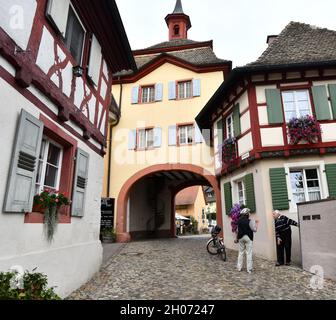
<point x="107" y="213"/>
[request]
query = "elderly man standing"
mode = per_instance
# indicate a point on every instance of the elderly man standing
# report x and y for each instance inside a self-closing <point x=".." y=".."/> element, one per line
<point x="283" y="237"/>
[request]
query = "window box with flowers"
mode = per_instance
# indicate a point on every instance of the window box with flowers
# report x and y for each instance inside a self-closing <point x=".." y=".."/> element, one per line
<point x="304" y="129"/>
<point x="49" y="202"/>
<point x="229" y="151"/>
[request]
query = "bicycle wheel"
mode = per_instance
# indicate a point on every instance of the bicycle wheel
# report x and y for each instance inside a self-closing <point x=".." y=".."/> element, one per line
<point x="223" y="254"/>
<point x="212" y="247"/>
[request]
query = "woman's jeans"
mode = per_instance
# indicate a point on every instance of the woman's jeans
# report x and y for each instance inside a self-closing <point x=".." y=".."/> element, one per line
<point x="245" y="246"/>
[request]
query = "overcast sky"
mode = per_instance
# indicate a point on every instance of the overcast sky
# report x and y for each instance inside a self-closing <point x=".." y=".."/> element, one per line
<point x="239" y="28"/>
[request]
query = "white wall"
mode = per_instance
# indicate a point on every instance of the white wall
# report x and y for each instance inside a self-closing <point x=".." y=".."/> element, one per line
<point x="76" y="253"/>
<point x="16" y="18"/>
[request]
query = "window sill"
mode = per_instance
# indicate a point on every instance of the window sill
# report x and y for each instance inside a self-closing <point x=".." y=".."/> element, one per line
<point x="182" y="99"/>
<point x="147" y="149"/>
<point x="38" y="217"/>
<point x="151" y="102"/>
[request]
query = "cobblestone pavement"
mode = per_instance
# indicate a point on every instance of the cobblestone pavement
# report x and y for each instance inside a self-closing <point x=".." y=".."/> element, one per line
<point x="181" y="269"/>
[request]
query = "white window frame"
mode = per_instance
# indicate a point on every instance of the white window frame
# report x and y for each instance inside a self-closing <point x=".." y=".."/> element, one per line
<point x="243" y="191"/>
<point x="185" y="91"/>
<point x="147" y="146"/>
<point x="85" y="32"/>
<point x="296" y="102"/>
<point x="185" y="128"/>
<point x="41" y="185"/>
<point x="149" y="96"/>
<point x="320" y="166"/>
<point x="229" y="127"/>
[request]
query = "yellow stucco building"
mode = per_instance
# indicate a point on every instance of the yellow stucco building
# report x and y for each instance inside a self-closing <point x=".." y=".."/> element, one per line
<point x="156" y="149"/>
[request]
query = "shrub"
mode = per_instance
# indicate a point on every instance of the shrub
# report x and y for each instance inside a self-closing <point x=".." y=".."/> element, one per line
<point x="34" y="287"/>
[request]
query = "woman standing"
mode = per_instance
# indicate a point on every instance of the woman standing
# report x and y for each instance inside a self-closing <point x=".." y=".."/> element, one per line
<point x="246" y="230"/>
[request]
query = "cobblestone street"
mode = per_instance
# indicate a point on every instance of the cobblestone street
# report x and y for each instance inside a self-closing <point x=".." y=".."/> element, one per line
<point x="182" y="269"/>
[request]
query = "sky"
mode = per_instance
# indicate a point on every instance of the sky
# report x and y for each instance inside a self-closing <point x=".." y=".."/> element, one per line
<point x="239" y="28"/>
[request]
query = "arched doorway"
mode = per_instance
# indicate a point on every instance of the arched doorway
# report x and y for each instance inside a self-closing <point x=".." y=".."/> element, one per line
<point x="168" y="180"/>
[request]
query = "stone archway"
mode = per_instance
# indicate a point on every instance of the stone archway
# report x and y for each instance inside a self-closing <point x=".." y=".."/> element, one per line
<point x="201" y="177"/>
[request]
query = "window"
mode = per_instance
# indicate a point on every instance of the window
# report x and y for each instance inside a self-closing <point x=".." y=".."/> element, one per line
<point x="145" y="139"/>
<point x="305" y="185"/>
<point x="241" y="193"/>
<point x="229" y="127"/>
<point x="296" y="104"/>
<point x="49" y="166"/>
<point x="147" y="94"/>
<point x="186" y="134"/>
<point x="184" y="90"/>
<point x="176" y="30"/>
<point x="74" y="36"/>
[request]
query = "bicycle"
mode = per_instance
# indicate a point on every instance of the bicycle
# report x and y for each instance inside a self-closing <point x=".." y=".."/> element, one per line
<point x="215" y="245"/>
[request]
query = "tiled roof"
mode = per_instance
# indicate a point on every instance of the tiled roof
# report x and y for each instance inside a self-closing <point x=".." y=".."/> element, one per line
<point x="299" y="43"/>
<point x="197" y="56"/>
<point x="187" y="196"/>
<point x="173" y="43"/>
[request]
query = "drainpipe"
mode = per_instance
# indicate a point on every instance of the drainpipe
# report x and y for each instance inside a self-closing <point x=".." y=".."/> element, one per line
<point x="110" y="142"/>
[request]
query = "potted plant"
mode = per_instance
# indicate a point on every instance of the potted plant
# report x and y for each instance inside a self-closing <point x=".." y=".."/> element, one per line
<point x="50" y="202"/>
<point x="229" y="150"/>
<point x="304" y="129"/>
<point x="108" y="235"/>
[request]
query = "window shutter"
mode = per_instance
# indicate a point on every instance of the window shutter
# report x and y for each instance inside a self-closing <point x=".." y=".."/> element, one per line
<point x="57" y="12"/>
<point x="172" y="90"/>
<point x="250" y="195"/>
<point x="220" y="132"/>
<point x="228" y="197"/>
<point x="198" y="134"/>
<point x="80" y="183"/>
<point x="236" y="120"/>
<point x="197" y="87"/>
<point x="132" y="135"/>
<point x="158" y="92"/>
<point x="95" y="60"/>
<point x="135" y="95"/>
<point x="274" y="106"/>
<point x="331" y="178"/>
<point x="157" y="137"/>
<point x="332" y="94"/>
<point x="172" y="136"/>
<point x="321" y="103"/>
<point x="22" y="174"/>
<point x="279" y="189"/>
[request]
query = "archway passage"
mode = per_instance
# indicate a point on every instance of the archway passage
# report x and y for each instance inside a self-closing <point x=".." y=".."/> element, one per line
<point x="146" y="202"/>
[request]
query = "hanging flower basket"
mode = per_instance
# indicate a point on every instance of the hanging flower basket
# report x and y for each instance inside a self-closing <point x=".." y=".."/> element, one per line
<point x="50" y="202"/>
<point x="229" y="152"/>
<point x="304" y="129"/>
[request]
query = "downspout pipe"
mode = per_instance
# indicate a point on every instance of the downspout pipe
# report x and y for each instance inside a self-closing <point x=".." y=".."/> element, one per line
<point x="110" y="142"/>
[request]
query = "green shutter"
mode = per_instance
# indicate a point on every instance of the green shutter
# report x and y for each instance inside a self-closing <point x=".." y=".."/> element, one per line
<point x="321" y="103"/>
<point x="274" y="106"/>
<point x="220" y="131"/>
<point x="279" y="189"/>
<point x="236" y="120"/>
<point x="331" y="178"/>
<point x="332" y="94"/>
<point x="228" y="197"/>
<point x="250" y="195"/>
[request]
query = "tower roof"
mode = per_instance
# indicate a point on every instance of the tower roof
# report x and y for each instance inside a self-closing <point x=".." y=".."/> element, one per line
<point x="178" y="7"/>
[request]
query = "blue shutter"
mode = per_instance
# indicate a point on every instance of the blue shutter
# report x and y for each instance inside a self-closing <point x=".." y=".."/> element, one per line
<point x="172" y="90"/>
<point x="172" y="135"/>
<point x="158" y="92"/>
<point x="157" y="137"/>
<point x="198" y="135"/>
<point x="135" y="95"/>
<point x="132" y="140"/>
<point x="197" y="87"/>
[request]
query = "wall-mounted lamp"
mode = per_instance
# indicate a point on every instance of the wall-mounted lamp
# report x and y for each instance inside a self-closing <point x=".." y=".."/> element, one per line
<point x="78" y="71"/>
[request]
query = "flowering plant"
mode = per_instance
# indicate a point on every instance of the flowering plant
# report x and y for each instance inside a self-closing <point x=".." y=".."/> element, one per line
<point x="235" y="215"/>
<point x="229" y="150"/>
<point x="51" y="201"/>
<point x="50" y="198"/>
<point x="305" y="128"/>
